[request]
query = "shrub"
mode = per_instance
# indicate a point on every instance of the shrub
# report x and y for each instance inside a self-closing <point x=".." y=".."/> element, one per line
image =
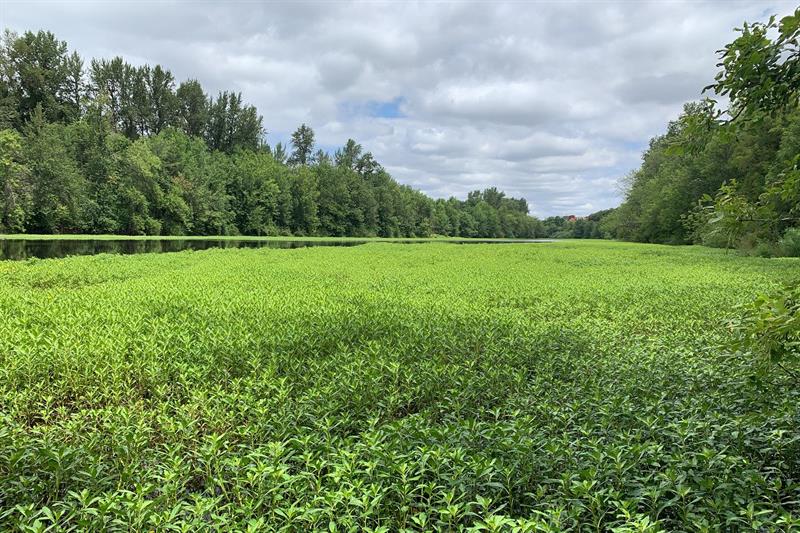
<point x="790" y="243"/>
<point x="765" y="249"/>
<point x="769" y="328"/>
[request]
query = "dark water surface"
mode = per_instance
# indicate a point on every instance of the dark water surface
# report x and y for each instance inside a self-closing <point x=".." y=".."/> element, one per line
<point x="17" y="249"/>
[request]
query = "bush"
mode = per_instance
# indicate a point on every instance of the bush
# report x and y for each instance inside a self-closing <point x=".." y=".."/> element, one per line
<point x="769" y="328"/>
<point x="766" y="249"/>
<point x="790" y="243"/>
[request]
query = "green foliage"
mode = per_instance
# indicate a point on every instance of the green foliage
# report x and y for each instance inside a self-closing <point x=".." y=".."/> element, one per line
<point x="303" y="146"/>
<point x="349" y="155"/>
<point x="232" y="125"/>
<point x="123" y="151"/>
<point x="16" y="200"/>
<point x="761" y="77"/>
<point x="769" y="327"/>
<point x="732" y="182"/>
<point x="593" y="226"/>
<point x="790" y="243"/>
<point x="192" y="107"/>
<point x="38" y="72"/>
<point x="56" y="182"/>
<point x="690" y="161"/>
<point x="761" y="73"/>
<point x="548" y="387"/>
<point x="719" y="186"/>
<point x="82" y="177"/>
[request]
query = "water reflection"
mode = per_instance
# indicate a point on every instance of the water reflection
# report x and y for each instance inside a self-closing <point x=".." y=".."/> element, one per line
<point x="18" y="249"/>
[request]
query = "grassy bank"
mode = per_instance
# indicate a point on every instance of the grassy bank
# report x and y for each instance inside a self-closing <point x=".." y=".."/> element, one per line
<point x="574" y="386"/>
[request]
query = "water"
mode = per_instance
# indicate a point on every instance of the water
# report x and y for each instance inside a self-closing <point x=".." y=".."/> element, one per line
<point x="18" y="249"/>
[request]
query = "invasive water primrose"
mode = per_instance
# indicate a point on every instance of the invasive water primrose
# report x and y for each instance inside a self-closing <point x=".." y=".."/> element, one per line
<point x="572" y="386"/>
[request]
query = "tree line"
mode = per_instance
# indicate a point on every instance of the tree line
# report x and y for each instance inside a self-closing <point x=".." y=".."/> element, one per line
<point x="727" y="176"/>
<point x="117" y="148"/>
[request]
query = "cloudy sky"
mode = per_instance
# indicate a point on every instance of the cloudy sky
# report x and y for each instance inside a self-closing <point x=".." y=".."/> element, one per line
<point x="553" y="101"/>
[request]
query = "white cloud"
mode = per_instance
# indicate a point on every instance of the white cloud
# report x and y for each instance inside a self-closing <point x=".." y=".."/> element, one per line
<point x="551" y="101"/>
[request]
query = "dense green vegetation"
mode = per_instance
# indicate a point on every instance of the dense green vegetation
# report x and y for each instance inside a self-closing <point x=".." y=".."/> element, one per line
<point x="573" y="227"/>
<point x="546" y="387"/>
<point x="116" y="148"/>
<point x="119" y="149"/>
<point x="728" y="177"/>
<point x="569" y="386"/>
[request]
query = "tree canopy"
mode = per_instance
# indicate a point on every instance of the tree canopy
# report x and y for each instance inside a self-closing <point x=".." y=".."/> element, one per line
<point x="727" y="177"/>
<point x="117" y="148"/>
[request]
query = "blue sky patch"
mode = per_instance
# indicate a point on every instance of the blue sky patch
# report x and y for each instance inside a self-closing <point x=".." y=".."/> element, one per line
<point x="374" y="108"/>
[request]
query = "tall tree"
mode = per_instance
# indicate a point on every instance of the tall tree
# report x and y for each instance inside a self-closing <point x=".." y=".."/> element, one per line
<point x="58" y="188"/>
<point x="761" y="77"/>
<point x="303" y="146"/>
<point x="97" y="153"/>
<point x="9" y="106"/>
<point x="38" y="63"/>
<point x="348" y="155"/>
<point x="161" y="97"/>
<point x="15" y="189"/>
<point x="366" y="165"/>
<point x="192" y="107"/>
<point x="321" y="157"/>
<point x="279" y="153"/>
<point x="232" y="125"/>
<point x="74" y="86"/>
<point x="305" y="191"/>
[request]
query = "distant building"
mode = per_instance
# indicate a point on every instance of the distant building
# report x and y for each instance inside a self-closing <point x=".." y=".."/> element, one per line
<point x="571" y="218"/>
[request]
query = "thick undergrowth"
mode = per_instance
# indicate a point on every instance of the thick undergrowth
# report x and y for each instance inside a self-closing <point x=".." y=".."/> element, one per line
<point x="536" y="387"/>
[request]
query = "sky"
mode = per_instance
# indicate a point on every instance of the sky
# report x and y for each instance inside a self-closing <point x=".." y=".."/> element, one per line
<point x="550" y="101"/>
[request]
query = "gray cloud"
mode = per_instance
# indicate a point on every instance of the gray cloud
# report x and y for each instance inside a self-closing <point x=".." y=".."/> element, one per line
<point x="550" y="101"/>
<point x="676" y="87"/>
